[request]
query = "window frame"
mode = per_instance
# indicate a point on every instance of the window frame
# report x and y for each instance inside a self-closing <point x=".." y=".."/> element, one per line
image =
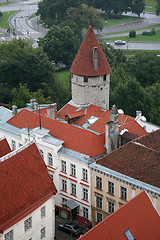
<point x="111" y="188"/>
<point x="64" y="185"/>
<point x="73" y="169"/>
<point x="50" y="159"/>
<point x="97" y="217"/>
<point x="98" y="182"/>
<point x="85" y="212"/>
<point x="123" y="193"/>
<point x="85" y="174"/>
<point x="13" y="145"/>
<point x="42" y="153"/>
<point x="85" y="194"/>
<point x="73" y="189"/>
<point x="28" y="224"/>
<point x="9" y="235"/>
<point x="43" y="232"/>
<point x="99" y="202"/>
<point x="43" y="212"/>
<point x="63" y="166"/>
<point x="111" y="206"/>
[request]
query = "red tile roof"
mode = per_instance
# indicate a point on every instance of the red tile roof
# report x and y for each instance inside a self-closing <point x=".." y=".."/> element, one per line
<point x="76" y="114"/>
<point x="75" y="138"/>
<point x="135" y="160"/>
<point x="83" y="62"/>
<point x="138" y="215"/>
<point x="126" y="122"/>
<point x="4" y="147"/>
<point x="25" y="184"/>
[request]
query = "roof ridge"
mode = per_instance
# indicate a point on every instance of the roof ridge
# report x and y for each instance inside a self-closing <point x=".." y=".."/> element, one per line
<point x="13" y="153"/>
<point x="142" y="145"/>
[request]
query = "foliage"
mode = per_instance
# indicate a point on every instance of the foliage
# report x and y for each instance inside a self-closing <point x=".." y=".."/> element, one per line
<point x="158" y="7"/>
<point x="84" y="16"/>
<point x="132" y="34"/>
<point x="138" y="6"/>
<point x="1" y="14"/>
<point x="60" y="44"/>
<point x="152" y="32"/>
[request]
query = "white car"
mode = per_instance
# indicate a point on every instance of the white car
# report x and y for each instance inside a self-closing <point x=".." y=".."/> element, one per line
<point x="120" y="42"/>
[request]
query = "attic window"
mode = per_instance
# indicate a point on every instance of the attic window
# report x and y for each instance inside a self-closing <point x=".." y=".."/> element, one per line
<point x="129" y="235"/>
<point x="85" y="79"/>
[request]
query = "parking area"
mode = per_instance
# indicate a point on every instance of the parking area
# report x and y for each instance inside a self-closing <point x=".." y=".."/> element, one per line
<point x="63" y="235"/>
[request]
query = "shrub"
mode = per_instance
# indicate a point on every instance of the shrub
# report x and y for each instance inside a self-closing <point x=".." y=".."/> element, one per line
<point x="152" y="32"/>
<point x="1" y="14"/>
<point x="132" y="34"/>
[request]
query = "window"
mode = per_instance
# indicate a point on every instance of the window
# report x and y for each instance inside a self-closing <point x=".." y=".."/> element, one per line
<point x="13" y="145"/>
<point x="85" y="194"/>
<point x="51" y="175"/>
<point x="43" y="212"/>
<point x="9" y="235"/>
<point x="99" y="217"/>
<point x="85" y="79"/>
<point x="98" y="182"/>
<point x="85" y="212"/>
<point x="43" y="233"/>
<point x="123" y="193"/>
<point x="110" y="206"/>
<point x="99" y="202"/>
<point x="20" y="145"/>
<point x="27" y="224"/>
<point x="64" y="200"/>
<point x="50" y="159"/>
<point x="42" y="153"/>
<point x="104" y="77"/>
<point x="110" y="187"/>
<point x="64" y="185"/>
<point x="73" y="189"/>
<point x="63" y="165"/>
<point x="73" y="169"/>
<point x="85" y="174"/>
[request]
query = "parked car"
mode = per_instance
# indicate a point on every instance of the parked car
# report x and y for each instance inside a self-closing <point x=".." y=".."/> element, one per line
<point x="70" y="228"/>
<point x="120" y="42"/>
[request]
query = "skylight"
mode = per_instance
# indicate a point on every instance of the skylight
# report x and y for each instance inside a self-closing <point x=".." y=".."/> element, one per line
<point x="90" y="121"/>
<point x="129" y="235"/>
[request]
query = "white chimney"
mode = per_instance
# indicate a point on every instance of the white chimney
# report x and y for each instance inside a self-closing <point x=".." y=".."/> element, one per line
<point x="36" y="107"/>
<point x="14" y="110"/>
<point x="32" y="101"/>
<point x="52" y="110"/>
<point x="138" y="113"/>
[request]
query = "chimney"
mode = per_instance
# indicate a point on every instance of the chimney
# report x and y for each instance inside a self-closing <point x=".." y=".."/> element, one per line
<point x="138" y="113"/>
<point x="52" y="110"/>
<point x="36" y="107"/>
<point x="14" y="110"/>
<point x="32" y="101"/>
<point x="95" y="57"/>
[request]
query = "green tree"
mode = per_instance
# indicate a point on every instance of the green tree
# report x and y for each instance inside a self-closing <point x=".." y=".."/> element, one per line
<point x="1" y="14"/>
<point x="138" y="6"/>
<point x="60" y="44"/>
<point x="130" y="96"/>
<point x="158" y="7"/>
<point x="84" y="16"/>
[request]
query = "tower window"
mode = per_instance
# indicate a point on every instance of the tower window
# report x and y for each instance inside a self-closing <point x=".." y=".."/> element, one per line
<point x="85" y="79"/>
<point x="104" y="77"/>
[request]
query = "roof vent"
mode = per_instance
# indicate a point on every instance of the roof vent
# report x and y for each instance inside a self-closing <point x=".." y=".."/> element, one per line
<point x="32" y="101"/>
<point x="95" y="57"/>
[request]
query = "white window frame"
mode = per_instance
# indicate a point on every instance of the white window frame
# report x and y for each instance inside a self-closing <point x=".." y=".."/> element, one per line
<point x="97" y="217"/>
<point x="85" y="174"/>
<point x="43" y="232"/>
<point x="50" y="159"/>
<point x="28" y="224"/>
<point x="99" y="182"/>
<point x="111" y="187"/>
<point x="99" y="202"/>
<point x="63" y="166"/>
<point x="85" y="194"/>
<point x="73" y="189"/>
<point x="73" y="169"/>
<point x="123" y="193"/>
<point x="85" y="212"/>
<point x="64" y="185"/>
<point x="9" y="235"/>
<point x="110" y="206"/>
<point x="43" y="212"/>
<point x="13" y="145"/>
<point x="42" y="153"/>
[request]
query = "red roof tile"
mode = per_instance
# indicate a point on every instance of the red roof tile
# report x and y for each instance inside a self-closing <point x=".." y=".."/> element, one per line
<point x="138" y="215"/>
<point x="136" y="161"/>
<point x="4" y="147"/>
<point x="83" y="62"/>
<point x="24" y="183"/>
<point x="74" y="138"/>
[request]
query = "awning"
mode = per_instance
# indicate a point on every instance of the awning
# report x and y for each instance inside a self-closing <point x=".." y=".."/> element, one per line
<point x="71" y="204"/>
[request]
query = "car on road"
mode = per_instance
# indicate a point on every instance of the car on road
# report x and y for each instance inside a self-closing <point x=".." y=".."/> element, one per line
<point x="71" y="228"/>
<point x="120" y="42"/>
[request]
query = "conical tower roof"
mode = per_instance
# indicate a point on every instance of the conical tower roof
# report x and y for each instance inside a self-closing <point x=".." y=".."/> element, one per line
<point x="83" y="62"/>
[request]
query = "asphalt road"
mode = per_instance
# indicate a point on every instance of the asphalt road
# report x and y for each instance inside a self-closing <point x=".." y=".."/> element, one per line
<point x="25" y="28"/>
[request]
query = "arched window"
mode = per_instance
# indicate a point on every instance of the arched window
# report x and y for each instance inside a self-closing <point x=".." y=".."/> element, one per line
<point x="50" y="159"/>
<point x="42" y="153"/>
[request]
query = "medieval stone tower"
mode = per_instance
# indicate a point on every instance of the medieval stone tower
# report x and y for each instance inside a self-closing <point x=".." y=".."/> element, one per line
<point x="90" y="74"/>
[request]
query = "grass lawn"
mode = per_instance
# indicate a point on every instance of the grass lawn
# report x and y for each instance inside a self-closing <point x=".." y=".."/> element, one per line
<point x="65" y="77"/>
<point x="6" y="3"/>
<point x="121" y="20"/>
<point x="139" y="38"/>
<point x="150" y="5"/>
<point x="4" y="19"/>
